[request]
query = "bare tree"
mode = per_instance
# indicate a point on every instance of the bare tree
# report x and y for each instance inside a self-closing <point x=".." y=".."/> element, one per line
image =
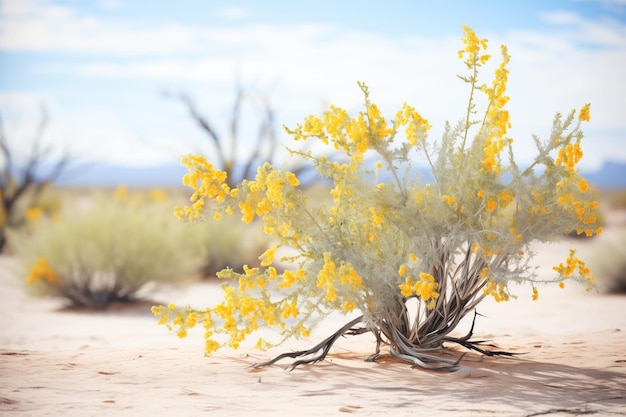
<point x="228" y="148"/>
<point x="20" y="181"/>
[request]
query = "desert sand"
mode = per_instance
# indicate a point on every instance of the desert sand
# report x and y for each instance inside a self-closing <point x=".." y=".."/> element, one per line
<point x="66" y="363"/>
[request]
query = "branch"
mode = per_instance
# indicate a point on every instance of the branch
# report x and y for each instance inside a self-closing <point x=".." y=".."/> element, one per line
<point x="204" y="124"/>
<point x="37" y="155"/>
<point x="5" y="175"/>
<point x="234" y="122"/>
<point x="266" y="132"/>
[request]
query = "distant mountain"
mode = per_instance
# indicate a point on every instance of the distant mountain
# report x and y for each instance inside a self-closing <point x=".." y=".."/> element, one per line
<point x="105" y="175"/>
<point x="611" y="175"/>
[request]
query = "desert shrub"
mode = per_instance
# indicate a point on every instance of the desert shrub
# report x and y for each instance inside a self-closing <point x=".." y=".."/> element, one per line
<point x="412" y="259"/>
<point x="27" y="210"/>
<point x="218" y="245"/>
<point x="105" y="253"/>
<point x="615" y="199"/>
<point x="226" y="244"/>
<point x="608" y="260"/>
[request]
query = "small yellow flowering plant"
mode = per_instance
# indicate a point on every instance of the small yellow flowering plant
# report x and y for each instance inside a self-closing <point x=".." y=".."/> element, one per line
<point x="411" y="258"/>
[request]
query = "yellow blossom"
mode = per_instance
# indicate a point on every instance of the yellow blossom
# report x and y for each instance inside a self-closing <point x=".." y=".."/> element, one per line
<point x="41" y="270"/>
<point x="449" y="199"/>
<point x="406" y="289"/>
<point x="402" y="270"/>
<point x="584" y="114"/>
<point x="268" y="256"/>
<point x="121" y="193"/>
<point x="33" y="214"/>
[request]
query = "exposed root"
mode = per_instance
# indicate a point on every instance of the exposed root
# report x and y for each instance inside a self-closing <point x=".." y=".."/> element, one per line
<point x="324" y="347"/>
<point x="400" y="348"/>
<point x="475" y="344"/>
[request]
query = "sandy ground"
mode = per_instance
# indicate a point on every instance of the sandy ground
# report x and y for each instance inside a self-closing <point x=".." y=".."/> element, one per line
<point x="55" y="363"/>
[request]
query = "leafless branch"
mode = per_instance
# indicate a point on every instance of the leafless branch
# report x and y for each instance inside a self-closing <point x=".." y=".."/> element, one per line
<point x="31" y="180"/>
<point x="264" y="148"/>
<point x="203" y="122"/>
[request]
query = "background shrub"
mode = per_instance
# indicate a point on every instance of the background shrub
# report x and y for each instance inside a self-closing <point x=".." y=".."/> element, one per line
<point x="106" y="252"/>
<point x="226" y="243"/>
<point x="608" y="261"/>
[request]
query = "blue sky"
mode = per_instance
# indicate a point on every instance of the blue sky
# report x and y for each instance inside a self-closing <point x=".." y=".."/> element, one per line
<point x="100" y="67"/>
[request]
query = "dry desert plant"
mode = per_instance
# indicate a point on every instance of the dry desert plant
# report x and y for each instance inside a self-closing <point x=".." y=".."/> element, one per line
<point x="409" y="259"/>
<point x="107" y="253"/>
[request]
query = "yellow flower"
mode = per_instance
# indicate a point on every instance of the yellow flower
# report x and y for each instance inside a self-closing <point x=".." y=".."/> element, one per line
<point x="158" y="195"/>
<point x="191" y="320"/>
<point x="348" y="307"/>
<point x="33" y="214"/>
<point x="569" y="156"/>
<point x="290" y="310"/>
<point x="327" y="277"/>
<point x="289" y="278"/>
<point x="41" y="270"/>
<point x="426" y="286"/>
<point x="473" y="45"/>
<point x="505" y="198"/>
<point x="449" y="199"/>
<point x="292" y="179"/>
<point x="261" y="344"/>
<point x="247" y="211"/>
<point x="121" y="192"/>
<point x="210" y="346"/>
<point x="406" y="289"/>
<point x="571" y="264"/>
<point x="268" y="256"/>
<point x="416" y="126"/>
<point x="584" y="114"/>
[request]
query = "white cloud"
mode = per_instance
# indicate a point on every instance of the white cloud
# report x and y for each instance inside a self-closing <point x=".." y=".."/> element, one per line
<point x="614" y="6"/>
<point x="604" y="33"/>
<point x="233" y="12"/>
<point x="37" y="26"/>
<point x="110" y="4"/>
<point x="576" y="61"/>
<point x="561" y="18"/>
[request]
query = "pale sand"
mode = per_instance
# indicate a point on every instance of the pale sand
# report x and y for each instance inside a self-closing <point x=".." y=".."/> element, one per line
<point x="55" y="363"/>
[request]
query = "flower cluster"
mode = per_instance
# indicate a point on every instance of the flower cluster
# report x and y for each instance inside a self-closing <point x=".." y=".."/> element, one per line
<point x="572" y="265"/>
<point x="41" y="270"/>
<point x="384" y="237"/>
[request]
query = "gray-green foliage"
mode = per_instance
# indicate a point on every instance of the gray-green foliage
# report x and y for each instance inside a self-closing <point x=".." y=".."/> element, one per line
<point x="608" y="262"/>
<point x="227" y="243"/>
<point x="107" y="253"/>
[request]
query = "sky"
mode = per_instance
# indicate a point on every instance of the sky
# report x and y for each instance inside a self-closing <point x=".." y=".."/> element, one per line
<point x="102" y="68"/>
